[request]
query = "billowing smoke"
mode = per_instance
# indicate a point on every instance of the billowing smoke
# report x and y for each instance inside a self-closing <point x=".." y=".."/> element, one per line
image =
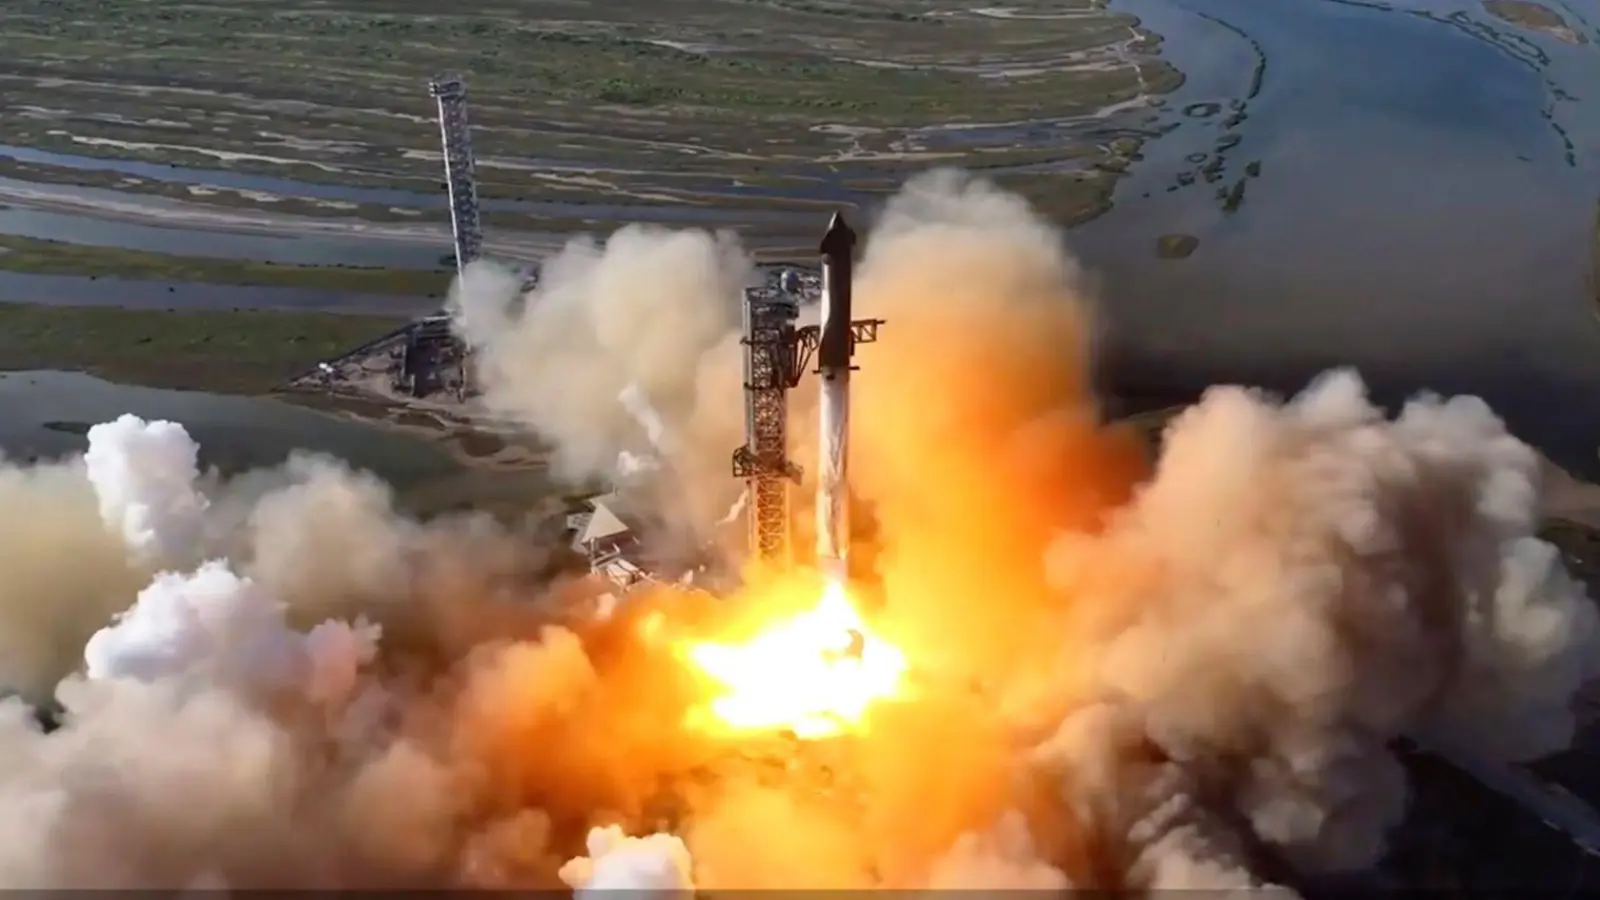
<point x="62" y="576"/>
<point x="612" y="329"/>
<point x="226" y="630"/>
<point x="1298" y="583"/>
<point x="144" y="475"/>
<point x="1120" y="677"/>
<point x="654" y="866"/>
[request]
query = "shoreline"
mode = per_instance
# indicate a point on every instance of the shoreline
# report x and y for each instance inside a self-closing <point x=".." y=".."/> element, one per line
<point x="1073" y="196"/>
<point x="469" y="446"/>
<point x="366" y="164"/>
<point x="1070" y="197"/>
<point x="35" y="256"/>
<point x="216" y="351"/>
<point x="469" y="443"/>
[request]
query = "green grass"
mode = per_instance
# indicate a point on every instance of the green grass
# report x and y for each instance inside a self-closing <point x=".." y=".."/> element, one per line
<point x="229" y="352"/>
<point x="1176" y="246"/>
<point x="733" y="57"/>
<point x="41" y="257"/>
<point x="649" y="100"/>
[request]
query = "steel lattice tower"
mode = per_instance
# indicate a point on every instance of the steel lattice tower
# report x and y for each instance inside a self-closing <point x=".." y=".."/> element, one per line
<point x="771" y="367"/>
<point x="459" y="171"/>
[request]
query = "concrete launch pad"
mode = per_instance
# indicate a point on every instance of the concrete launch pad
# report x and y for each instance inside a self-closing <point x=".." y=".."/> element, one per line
<point x="423" y="366"/>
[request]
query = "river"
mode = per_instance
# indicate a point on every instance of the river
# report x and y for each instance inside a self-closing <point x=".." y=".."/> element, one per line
<point x="1416" y="214"/>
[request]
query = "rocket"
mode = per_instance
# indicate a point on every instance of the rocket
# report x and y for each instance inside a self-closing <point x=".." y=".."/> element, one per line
<point x="835" y="346"/>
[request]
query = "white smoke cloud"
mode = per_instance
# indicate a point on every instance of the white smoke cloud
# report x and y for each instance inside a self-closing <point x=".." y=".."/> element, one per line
<point x="627" y="318"/>
<point x="182" y="621"/>
<point x="223" y="629"/>
<point x="653" y="866"/>
<point x="1295" y="585"/>
<point x="1135" y="680"/>
<point x="1308" y="580"/>
<point x="643" y="412"/>
<point x="144" y="475"/>
<point x="324" y="538"/>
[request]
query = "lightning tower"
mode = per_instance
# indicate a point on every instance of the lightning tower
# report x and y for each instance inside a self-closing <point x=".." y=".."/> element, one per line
<point x="460" y="178"/>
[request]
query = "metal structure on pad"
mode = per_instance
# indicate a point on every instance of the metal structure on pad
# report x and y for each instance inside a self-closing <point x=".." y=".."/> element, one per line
<point x="459" y="168"/>
<point x="775" y="357"/>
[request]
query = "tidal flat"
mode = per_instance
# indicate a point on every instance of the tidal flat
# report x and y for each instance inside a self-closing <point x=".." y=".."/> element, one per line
<point x="786" y="102"/>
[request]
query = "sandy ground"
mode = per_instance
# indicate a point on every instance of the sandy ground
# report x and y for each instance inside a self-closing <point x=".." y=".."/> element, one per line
<point x="473" y="440"/>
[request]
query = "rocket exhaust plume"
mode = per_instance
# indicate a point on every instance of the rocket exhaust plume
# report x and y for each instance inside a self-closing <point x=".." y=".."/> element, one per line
<point x="834" y="349"/>
<point x="1138" y="678"/>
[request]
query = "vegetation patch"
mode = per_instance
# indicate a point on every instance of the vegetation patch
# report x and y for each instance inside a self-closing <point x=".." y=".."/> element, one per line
<point x="41" y="257"/>
<point x="710" y="101"/>
<point x="227" y="352"/>
<point x="1176" y="246"/>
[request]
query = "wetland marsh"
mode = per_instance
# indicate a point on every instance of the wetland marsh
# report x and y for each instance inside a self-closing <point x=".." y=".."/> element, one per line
<point x="226" y="351"/>
<point x="1408" y="186"/>
<point x="1421" y="183"/>
<point x="729" y="103"/>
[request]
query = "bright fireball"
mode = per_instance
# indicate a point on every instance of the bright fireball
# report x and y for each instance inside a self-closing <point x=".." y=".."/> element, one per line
<point x="815" y="674"/>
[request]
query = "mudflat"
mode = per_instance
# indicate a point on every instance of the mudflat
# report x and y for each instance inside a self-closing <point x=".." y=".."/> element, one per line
<point x="780" y="102"/>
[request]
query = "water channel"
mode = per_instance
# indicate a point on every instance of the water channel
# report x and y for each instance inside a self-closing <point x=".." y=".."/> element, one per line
<point x="1422" y="206"/>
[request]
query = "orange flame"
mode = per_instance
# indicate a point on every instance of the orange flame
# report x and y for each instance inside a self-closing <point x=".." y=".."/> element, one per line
<point x="815" y="674"/>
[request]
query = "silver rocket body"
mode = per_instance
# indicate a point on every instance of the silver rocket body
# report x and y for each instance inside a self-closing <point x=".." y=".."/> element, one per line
<point x="834" y="349"/>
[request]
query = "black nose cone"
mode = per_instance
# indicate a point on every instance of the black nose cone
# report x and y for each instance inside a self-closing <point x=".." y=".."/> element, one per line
<point x="840" y="239"/>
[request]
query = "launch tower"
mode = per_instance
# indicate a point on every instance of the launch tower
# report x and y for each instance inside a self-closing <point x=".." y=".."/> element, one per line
<point x="776" y="355"/>
<point x="460" y="178"/>
<point x="773" y="361"/>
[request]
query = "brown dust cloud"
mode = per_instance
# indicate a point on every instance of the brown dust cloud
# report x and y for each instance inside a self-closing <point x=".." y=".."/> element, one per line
<point x="1119" y="673"/>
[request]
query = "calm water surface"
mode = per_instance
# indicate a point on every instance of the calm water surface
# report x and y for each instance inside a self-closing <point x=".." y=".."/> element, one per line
<point x="233" y="432"/>
<point x="1424" y="210"/>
